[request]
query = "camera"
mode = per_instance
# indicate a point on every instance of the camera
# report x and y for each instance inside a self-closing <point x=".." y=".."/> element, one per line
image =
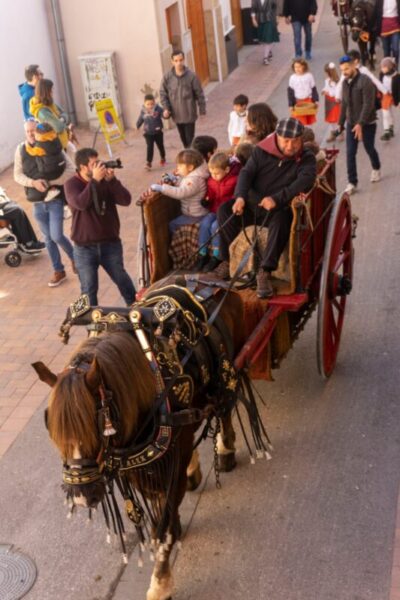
<point x="113" y="164"/>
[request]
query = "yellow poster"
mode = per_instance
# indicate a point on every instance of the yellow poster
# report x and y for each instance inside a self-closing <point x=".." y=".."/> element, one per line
<point x="108" y="119"/>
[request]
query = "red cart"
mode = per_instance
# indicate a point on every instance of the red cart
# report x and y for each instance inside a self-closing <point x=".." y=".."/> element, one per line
<point x="320" y="275"/>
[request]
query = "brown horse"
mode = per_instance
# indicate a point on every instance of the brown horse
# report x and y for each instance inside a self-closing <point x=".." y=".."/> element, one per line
<point x="116" y="428"/>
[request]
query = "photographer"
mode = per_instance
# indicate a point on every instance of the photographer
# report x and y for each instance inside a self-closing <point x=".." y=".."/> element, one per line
<point x="92" y="195"/>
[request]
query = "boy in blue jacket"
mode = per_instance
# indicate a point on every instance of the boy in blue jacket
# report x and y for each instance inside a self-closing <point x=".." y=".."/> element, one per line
<point x="151" y="119"/>
<point x="27" y="89"/>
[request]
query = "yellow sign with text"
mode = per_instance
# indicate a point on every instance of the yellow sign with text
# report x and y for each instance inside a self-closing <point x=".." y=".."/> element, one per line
<point x="109" y="121"/>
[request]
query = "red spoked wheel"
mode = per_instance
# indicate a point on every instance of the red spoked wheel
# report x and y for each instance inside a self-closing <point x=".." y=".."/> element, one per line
<point x="335" y="284"/>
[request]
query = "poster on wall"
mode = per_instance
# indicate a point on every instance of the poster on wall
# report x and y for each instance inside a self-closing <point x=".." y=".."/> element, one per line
<point x="109" y="121"/>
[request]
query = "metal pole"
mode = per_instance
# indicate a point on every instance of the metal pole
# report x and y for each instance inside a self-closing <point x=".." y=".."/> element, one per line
<point x="55" y="7"/>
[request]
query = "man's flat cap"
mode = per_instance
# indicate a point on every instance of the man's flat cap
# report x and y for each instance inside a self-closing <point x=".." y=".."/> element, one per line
<point x="289" y="128"/>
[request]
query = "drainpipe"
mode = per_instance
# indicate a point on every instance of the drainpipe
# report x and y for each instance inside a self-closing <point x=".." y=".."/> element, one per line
<point x="55" y="9"/>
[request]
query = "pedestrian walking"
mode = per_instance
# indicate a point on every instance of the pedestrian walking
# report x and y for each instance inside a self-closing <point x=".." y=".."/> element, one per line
<point x="93" y="194"/>
<point x="180" y="95"/>
<point x="302" y="93"/>
<point x="237" y="119"/>
<point x="263" y="16"/>
<point x="388" y="27"/>
<point x="151" y="118"/>
<point x="301" y="14"/>
<point x="50" y="214"/>
<point x="332" y="106"/>
<point x="391" y="81"/>
<point x="359" y="112"/>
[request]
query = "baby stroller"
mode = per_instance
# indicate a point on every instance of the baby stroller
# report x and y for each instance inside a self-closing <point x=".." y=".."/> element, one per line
<point x="8" y="240"/>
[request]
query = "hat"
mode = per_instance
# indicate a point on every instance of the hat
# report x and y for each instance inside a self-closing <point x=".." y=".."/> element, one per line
<point x="289" y="128"/>
<point x="388" y="62"/>
<point x="345" y="59"/>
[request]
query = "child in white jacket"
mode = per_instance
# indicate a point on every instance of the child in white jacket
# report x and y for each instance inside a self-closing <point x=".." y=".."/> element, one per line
<point x="190" y="189"/>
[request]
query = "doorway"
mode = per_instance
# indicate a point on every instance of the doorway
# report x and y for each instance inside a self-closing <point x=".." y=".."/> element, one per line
<point x="195" y="21"/>
<point x="173" y="26"/>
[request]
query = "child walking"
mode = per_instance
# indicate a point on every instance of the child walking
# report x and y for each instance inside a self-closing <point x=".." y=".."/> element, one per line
<point x="220" y="188"/>
<point x="151" y="118"/>
<point x="332" y="106"/>
<point x="390" y="79"/>
<point x="301" y="90"/>
<point x="237" y="119"/>
<point x="190" y="189"/>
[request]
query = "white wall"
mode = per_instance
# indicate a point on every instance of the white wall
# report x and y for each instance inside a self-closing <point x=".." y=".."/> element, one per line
<point x="24" y="40"/>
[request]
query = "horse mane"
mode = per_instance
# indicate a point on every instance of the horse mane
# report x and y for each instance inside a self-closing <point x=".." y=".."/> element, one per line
<point x="125" y="371"/>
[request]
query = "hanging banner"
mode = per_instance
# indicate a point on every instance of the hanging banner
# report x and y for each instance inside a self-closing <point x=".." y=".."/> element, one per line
<point x="109" y="121"/>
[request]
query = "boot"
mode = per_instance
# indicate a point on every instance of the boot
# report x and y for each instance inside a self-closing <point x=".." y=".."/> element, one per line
<point x="264" y="285"/>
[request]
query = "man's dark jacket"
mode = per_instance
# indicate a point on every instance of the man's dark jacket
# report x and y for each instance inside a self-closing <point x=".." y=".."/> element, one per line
<point x="358" y="101"/>
<point x="299" y="10"/>
<point x="269" y="173"/>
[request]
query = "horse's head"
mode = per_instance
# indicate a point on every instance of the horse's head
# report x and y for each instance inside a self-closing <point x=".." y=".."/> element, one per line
<point x="74" y="421"/>
<point x="108" y="377"/>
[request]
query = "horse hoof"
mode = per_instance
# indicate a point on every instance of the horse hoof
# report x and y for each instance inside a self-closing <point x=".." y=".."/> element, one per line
<point x="226" y="462"/>
<point x="194" y="480"/>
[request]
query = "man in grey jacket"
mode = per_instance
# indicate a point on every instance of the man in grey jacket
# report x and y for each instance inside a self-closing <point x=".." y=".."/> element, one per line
<point x="358" y="110"/>
<point x="180" y="93"/>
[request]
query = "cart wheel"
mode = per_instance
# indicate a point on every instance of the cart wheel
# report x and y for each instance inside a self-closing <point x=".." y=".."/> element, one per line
<point x="13" y="259"/>
<point x="143" y="260"/>
<point x="335" y="284"/>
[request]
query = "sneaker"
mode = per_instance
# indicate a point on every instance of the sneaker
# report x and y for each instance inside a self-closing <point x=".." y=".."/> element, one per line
<point x="222" y="271"/>
<point x="58" y="277"/>
<point x="375" y="176"/>
<point x="266" y="61"/>
<point x="147" y="166"/>
<point x="386" y="136"/>
<point x="331" y="138"/>
<point x="33" y="246"/>
<point x="212" y="264"/>
<point x="163" y="162"/>
<point x="200" y="263"/>
<point x="264" y="285"/>
<point x="308" y="56"/>
<point x="350" y="189"/>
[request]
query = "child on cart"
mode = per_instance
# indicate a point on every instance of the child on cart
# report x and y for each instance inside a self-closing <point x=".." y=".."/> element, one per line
<point x="220" y="189"/>
<point x="190" y="188"/>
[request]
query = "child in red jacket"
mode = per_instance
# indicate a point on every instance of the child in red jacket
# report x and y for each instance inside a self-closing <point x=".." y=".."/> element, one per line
<point x="220" y="188"/>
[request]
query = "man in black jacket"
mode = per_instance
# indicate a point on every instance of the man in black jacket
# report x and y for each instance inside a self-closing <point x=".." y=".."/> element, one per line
<point x="278" y="170"/>
<point x="358" y="111"/>
<point x="301" y="14"/>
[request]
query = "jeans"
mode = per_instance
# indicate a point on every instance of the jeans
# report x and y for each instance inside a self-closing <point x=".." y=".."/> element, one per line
<point x="186" y="132"/>
<point x="297" y="27"/>
<point x="390" y="45"/>
<point x="108" y="255"/>
<point x="50" y="218"/>
<point x="182" y="220"/>
<point x="208" y="226"/>
<point x="368" y="133"/>
<point x="157" y="138"/>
